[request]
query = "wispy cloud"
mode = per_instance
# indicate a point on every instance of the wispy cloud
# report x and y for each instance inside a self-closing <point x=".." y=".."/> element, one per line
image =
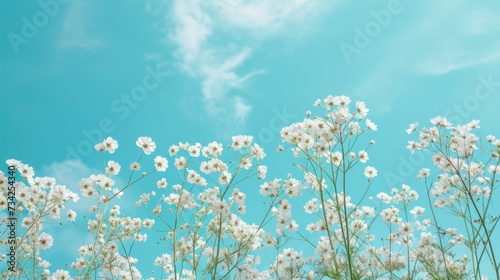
<point x="451" y="61"/>
<point x="78" y="30"/>
<point x="454" y="36"/>
<point x="213" y="40"/>
<point x="263" y="18"/>
<point x="464" y="37"/>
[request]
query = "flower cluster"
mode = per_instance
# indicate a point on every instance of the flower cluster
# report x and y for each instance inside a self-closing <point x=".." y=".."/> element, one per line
<point x="200" y="208"/>
<point x="464" y="186"/>
<point x="38" y="199"/>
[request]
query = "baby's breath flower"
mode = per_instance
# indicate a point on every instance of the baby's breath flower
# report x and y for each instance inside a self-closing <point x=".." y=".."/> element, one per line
<point x="161" y="163"/>
<point x="135" y="166"/>
<point x="45" y="241"/>
<point x="363" y="156"/>
<point x="110" y="145"/>
<point x="162" y="183"/>
<point x="371" y="125"/>
<point x="71" y="215"/>
<point x="13" y="162"/>
<point x="262" y="170"/>
<point x="113" y="168"/>
<point x="370" y="172"/>
<point x="147" y="144"/>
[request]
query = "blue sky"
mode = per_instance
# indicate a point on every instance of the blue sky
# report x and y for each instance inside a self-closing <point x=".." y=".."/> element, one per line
<point x="73" y="72"/>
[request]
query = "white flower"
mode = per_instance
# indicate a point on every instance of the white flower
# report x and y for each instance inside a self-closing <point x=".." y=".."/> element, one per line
<point x="135" y="166"/>
<point x="494" y="169"/>
<point x="194" y="151"/>
<point x="44" y="264"/>
<point x="214" y="149"/>
<point x="110" y="144"/>
<point x="13" y="162"/>
<point x="370" y="172"/>
<point x="424" y="172"/>
<point x="257" y="151"/>
<point x="237" y="142"/>
<point x="262" y="170"/>
<point x="113" y="167"/>
<point x="293" y="226"/>
<point x="161" y="163"/>
<point x="354" y="127"/>
<point x="371" y="125"/>
<point x="161" y="184"/>
<point x="363" y="156"/>
<point x="368" y="211"/>
<point x="45" y="241"/>
<point x="140" y="237"/>
<point x="180" y="163"/>
<point x="60" y="274"/>
<point x="71" y="215"/>
<point x="148" y="223"/>
<point x="26" y="171"/>
<point x="341" y="115"/>
<point x="412" y="145"/>
<point x="336" y="158"/>
<point x="311" y="206"/>
<point x="183" y="146"/>
<point x="225" y="178"/>
<point x="417" y="211"/>
<point x="412" y="128"/>
<point x="173" y="150"/>
<point x="147" y="144"/>
<point x="361" y="110"/>
<point x="344" y="100"/>
<point x="100" y="147"/>
<point x="486" y="191"/>
<point x="440" y="121"/>
<point x="329" y="101"/>
<point x="279" y="149"/>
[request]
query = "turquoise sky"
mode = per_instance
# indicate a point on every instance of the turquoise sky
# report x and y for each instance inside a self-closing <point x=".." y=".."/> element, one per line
<point x="74" y="72"/>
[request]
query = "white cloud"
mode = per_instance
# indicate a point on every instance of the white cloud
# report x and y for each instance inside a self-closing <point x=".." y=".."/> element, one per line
<point x="214" y="40"/>
<point x="265" y="18"/>
<point x="192" y="28"/>
<point x="451" y="61"/>
<point x="241" y="109"/>
<point x="78" y="30"/>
